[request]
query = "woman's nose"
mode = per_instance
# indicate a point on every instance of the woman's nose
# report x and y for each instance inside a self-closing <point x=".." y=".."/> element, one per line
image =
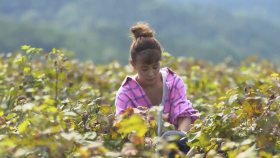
<point x="151" y="73"/>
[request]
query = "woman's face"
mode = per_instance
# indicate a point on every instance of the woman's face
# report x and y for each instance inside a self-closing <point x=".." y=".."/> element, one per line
<point x="147" y="73"/>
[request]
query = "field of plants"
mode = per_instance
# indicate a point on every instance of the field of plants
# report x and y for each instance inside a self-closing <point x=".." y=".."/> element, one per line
<point x="52" y="106"/>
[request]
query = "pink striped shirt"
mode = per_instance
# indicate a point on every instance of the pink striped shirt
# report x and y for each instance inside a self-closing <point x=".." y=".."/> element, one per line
<point x="131" y="94"/>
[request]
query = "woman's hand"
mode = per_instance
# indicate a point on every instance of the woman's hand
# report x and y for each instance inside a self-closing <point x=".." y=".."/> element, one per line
<point x="184" y="124"/>
<point x="149" y="142"/>
<point x="129" y="150"/>
<point x="165" y="117"/>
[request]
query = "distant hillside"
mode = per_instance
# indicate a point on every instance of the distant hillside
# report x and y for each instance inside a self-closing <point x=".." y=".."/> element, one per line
<point x="99" y="30"/>
<point x="259" y="9"/>
<point x="48" y="36"/>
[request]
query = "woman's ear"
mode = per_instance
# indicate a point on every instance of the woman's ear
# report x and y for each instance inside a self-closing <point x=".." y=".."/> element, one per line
<point x="131" y="62"/>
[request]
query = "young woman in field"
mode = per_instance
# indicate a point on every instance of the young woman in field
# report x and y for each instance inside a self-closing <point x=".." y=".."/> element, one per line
<point x="153" y="85"/>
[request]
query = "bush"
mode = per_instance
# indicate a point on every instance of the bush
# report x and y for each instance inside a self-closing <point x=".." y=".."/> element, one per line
<point x="51" y="106"/>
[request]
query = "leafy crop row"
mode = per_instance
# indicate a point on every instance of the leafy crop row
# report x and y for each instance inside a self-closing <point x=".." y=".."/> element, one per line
<point x="52" y="106"/>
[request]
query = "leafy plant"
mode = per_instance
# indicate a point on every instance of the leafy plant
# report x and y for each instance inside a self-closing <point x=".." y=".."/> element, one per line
<point x="54" y="107"/>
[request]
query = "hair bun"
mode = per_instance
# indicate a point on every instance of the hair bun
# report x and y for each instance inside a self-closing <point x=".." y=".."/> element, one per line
<point x="141" y="30"/>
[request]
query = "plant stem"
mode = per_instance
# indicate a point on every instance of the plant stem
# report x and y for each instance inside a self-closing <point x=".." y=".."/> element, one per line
<point x="30" y="58"/>
<point x="56" y="82"/>
<point x="209" y="150"/>
<point x="268" y="106"/>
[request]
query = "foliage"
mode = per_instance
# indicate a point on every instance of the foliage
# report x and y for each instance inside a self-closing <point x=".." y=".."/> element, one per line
<point x="51" y="106"/>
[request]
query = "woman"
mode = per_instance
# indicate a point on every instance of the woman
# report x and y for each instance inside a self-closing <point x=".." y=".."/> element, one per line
<point x="153" y="85"/>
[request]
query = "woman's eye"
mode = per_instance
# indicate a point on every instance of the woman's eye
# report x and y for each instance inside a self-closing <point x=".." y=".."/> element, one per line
<point x="144" y="70"/>
<point x="155" y="67"/>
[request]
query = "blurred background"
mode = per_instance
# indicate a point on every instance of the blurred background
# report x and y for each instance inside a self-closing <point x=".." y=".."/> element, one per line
<point x="98" y="30"/>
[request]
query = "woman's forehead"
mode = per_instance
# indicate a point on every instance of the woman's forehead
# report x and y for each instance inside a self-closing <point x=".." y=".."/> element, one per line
<point x="142" y="63"/>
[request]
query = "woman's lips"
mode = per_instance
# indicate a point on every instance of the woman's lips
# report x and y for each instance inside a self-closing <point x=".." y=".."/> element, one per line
<point x="151" y="79"/>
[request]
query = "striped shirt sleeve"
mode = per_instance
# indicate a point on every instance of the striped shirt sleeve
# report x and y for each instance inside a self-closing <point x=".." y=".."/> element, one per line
<point x="181" y="106"/>
<point x="122" y="102"/>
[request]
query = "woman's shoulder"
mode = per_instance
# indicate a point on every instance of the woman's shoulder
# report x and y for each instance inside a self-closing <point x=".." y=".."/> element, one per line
<point x="128" y="83"/>
<point x="168" y="70"/>
<point x="171" y="75"/>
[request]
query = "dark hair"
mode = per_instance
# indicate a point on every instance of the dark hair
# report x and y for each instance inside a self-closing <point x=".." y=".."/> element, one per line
<point x="144" y="44"/>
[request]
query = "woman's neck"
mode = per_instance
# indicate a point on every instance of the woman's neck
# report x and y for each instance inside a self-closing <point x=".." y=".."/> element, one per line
<point x="149" y="86"/>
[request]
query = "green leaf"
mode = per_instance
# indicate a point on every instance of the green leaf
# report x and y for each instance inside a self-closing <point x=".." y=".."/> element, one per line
<point x="71" y="136"/>
<point x="204" y="140"/>
<point x="229" y="145"/>
<point x="24" y="47"/>
<point x="29" y="50"/>
<point x="21" y="152"/>
<point x="247" y="142"/>
<point x="27" y="106"/>
<point x="251" y="152"/>
<point x="20" y="60"/>
<point x="70" y="114"/>
<point x="232" y="99"/>
<point x="238" y="112"/>
<point x="193" y="136"/>
<point x="65" y="101"/>
<point x="90" y="135"/>
<point x="103" y="120"/>
<point x="37" y="50"/>
<point x="231" y="91"/>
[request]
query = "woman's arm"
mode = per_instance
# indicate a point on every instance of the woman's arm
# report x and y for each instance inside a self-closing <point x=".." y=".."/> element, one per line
<point x="184" y="124"/>
<point x="181" y="108"/>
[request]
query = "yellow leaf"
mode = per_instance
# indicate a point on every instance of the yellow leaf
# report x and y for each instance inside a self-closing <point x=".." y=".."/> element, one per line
<point x="53" y="146"/>
<point x="11" y="128"/>
<point x="51" y="117"/>
<point x="173" y="146"/>
<point x="84" y="151"/>
<point x="114" y="135"/>
<point x="41" y="75"/>
<point x="222" y="98"/>
<point x="204" y="140"/>
<point x="105" y="109"/>
<point x="49" y="101"/>
<point x="22" y="126"/>
<point x="25" y="47"/>
<point x="26" y="69"/>
<point x="265" y="154"/>
<point x="73" y="125"/>
<point x="117" y="125"/>
<point x="55" y="128"/>
<point x="53" y="50"/>
<point x="1" y="112"/>
<point x="52" y="109"/>
<point x="247" y="108"/>
<point x="219" y="105"/>
<point x="166" y="54"/>
<point x="257" y="107"/>
<point x="274" y="75"/>
<point x="153" y="123"/>
<point x="234" y="119"/>
<point x="134" y="123"/>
